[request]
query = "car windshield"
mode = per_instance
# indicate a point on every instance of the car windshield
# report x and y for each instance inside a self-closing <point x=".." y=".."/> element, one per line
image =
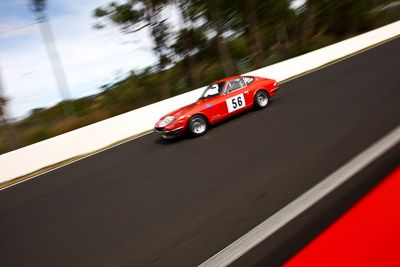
<point x="214" y="89"/>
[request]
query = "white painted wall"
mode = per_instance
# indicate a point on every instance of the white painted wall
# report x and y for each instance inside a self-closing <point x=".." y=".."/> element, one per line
<point x="93" y="137"/>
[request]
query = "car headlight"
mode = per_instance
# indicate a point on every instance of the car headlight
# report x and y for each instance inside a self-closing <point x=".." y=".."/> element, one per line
<point x="166" y="121"/>
<point x="275" y="84"/>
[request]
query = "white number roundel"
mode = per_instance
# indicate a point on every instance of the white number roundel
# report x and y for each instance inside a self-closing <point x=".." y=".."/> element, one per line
<point x="235" y="103"/>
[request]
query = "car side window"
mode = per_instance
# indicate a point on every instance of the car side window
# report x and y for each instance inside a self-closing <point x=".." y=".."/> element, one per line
<point x="213" y="90"/>
<point x="235" y="84"/>
<point x="248" y="80"/>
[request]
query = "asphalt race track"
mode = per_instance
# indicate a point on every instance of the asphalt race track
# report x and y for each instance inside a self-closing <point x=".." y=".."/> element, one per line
<point x="150" y="202"/>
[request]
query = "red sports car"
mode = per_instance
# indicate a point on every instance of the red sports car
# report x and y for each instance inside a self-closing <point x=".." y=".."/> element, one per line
<point x="220" y="100"/>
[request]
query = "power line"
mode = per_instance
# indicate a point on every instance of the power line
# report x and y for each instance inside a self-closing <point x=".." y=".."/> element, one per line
<point x="14" y="29"/>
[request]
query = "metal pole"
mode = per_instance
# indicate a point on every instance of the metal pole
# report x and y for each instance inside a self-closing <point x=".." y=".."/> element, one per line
<point x="55" y="61"/>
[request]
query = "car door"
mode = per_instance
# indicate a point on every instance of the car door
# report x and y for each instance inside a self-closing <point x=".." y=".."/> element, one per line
<point x="249" y="81"/>
<point x="215" y="107"/>
<point x="237" y="97"/>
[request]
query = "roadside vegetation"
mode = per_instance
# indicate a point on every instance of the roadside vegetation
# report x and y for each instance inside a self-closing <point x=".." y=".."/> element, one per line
<point x="216" y="39"/>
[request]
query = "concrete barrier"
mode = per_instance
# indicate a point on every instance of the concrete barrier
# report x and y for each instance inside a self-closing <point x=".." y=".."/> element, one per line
<point x="101" y="134"/>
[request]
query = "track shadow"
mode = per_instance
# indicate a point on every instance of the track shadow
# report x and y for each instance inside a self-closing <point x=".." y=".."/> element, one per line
<point x="161" y="141"/>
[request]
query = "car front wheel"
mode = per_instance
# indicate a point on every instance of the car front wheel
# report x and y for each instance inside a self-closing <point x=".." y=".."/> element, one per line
<point x="197" y="125"/>
<point x="261" y="99"/>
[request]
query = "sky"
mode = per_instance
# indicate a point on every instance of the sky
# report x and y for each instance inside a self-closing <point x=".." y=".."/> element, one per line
<point x="91" y="58"/>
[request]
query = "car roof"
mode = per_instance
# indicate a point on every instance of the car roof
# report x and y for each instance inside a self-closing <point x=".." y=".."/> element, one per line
<point x="227" y="79"/>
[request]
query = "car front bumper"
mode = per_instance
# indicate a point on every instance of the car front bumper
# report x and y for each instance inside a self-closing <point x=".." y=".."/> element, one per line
<point x="276" y="89"/>
<point x="169" y="133"/>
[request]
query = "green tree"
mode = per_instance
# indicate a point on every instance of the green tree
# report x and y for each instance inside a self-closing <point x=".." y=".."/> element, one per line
<point x="218" y="17"/>
<point x="135" y="15"/>
<point x="275" y="15"/>
<point x="246" y="19"/>
<point x="336" y="18"/>
<point x="7" y="131"/>
<point x="255" y="18"/>
<point x="253" y="29"/>
<point x="188" y="42"/>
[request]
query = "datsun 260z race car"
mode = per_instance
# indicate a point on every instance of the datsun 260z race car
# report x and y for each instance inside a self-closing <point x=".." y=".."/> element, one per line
<point x="220" y="100"/>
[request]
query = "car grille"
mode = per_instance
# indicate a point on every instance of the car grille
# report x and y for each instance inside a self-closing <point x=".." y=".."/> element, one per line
<point x="159" y="129"/>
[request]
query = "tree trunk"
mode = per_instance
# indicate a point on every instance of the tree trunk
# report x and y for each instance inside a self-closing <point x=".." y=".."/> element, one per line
<point x="191" y="64"/>
<point x="282" y="36"/>
<point x="226" y="59"/>
<point x="254" y="33"/>
<point x="193" y="79"/>
<point x="308" y="24"/>
<point x="205" y="68"/>
<point x="8" y="132"/>
<point x="152" y="18"/>
<point x="164" y="85"/>
<point x="223" y="50"/>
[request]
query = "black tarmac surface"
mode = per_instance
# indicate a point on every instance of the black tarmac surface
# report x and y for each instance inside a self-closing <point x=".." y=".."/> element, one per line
<point x="150" y="202"/>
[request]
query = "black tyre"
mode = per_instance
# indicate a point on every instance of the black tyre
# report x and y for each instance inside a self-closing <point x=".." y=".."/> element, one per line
<point x="197" y="125"/>
<point x="261" y="99"/>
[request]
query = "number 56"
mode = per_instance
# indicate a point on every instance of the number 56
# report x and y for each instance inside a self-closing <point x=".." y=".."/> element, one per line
<point x="239" y="102"/>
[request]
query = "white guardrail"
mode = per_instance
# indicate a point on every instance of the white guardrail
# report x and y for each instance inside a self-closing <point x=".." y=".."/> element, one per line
<point x="101" y="134"/>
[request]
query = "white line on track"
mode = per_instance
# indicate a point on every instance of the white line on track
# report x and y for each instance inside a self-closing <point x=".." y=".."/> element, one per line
<point x="303" y="202"/>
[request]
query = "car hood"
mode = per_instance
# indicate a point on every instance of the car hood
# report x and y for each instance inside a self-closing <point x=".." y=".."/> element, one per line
<point x="184" y="110"/>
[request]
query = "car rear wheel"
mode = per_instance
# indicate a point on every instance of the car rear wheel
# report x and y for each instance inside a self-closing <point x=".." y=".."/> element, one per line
<point x="261" y="99"/>
<point x="197" y="125"/>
